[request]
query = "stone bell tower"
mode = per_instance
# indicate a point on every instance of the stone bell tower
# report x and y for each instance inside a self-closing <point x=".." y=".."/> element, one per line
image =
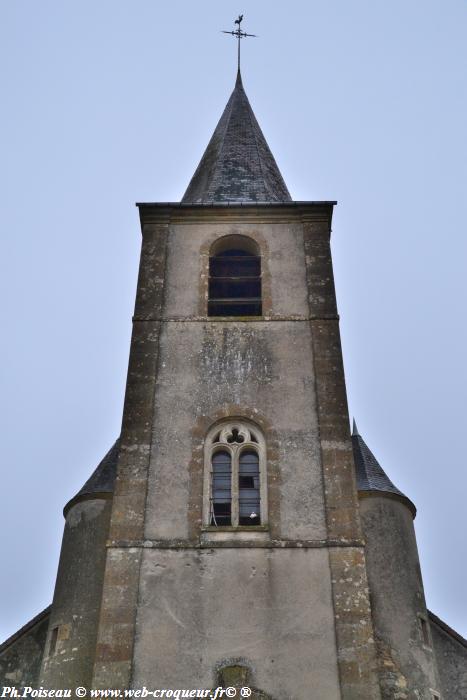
<point x="235" y="554"/>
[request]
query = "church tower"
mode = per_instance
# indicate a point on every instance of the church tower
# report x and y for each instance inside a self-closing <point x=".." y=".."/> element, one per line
<point x="236" y="535"/>
<point x="235" y="553"/>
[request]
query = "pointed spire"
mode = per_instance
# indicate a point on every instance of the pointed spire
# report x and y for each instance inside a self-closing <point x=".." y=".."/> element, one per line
<point x="371" y="477"/>
<point x="237" y="165"/>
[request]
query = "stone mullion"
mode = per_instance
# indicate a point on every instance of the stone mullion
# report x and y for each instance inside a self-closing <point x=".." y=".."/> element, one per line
<point x="235" y="490"/>
<point x="114" y="651"/>
<point x="353" y="623"/>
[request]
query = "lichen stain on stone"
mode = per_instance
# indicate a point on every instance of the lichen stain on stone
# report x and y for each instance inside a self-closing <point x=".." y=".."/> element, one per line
<point x="235" y="355"/>
<point x="14" y="676"/>
<point x="394" y="684"/>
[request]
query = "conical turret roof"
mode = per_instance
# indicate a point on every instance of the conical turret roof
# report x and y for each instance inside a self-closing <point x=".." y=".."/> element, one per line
<point x="101" y="481"/>
<point x="237" y="165"/>
<point x="371" y="477"/>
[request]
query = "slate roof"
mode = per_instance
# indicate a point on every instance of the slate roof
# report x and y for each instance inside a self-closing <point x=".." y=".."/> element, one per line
<point x="371" y="477"/>
<point x="434" y="619"/>
<point x="25" y="628"/>
<point x="237" y="165"/>
<point x="101" y="480"/>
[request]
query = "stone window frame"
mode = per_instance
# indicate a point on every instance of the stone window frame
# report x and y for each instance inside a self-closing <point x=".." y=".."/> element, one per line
<point x="57" y="634"/>
<point x="249" y="233"/>
<point x="425" y="631"/>
<point x="247" y="245"/>
<point x="225" y="429"/>
<point x="53" y="641"/>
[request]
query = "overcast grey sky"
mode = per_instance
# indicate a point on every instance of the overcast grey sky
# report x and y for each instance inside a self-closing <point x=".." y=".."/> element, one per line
<point x="111" y="102"/>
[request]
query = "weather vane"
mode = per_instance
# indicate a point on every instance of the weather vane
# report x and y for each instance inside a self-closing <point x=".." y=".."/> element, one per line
<point x="239" y="35"/>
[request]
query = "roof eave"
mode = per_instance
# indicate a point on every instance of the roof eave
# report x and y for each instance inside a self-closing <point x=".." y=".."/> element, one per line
<point x="373" y="493"/>
<point x="241" y="205"/>
<point x="176" y="212"/>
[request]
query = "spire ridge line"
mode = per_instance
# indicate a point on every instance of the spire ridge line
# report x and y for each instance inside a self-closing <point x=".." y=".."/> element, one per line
<point x="237" y="165"/>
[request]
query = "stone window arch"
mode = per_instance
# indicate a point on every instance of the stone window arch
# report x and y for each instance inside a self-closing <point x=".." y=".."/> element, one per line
<point x="234" y="287"/>
<point x="238" y="675"/>
<point x="235" y="488"/>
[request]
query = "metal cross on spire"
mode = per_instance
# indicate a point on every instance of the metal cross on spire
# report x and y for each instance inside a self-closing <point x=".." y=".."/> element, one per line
<point x="238" y="34"/>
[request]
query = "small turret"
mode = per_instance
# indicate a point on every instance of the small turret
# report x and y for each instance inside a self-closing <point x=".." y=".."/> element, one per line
<point x="100" y="484"/>
<point x="371" y="478"/>
<point x="70" y="647"/>
<point x="407" y="666"/>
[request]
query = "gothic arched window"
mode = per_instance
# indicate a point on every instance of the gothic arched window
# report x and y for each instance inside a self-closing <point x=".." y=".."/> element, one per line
<point x="235" y="476"/>
<point x="234" y="277"/>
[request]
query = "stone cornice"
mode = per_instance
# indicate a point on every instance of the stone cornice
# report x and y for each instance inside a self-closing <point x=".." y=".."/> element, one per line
<point x="234" y="544"/>
<point x="177" y="212"/>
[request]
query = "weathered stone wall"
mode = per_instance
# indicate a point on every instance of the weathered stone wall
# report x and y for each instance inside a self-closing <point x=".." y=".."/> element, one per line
<point x="407" y="663"/>
<point x="115" y="641"/>
<point x="451" y="657"/>
<point x="69" y="658"/>
<point x="21" y="655"/>
<point x="270" y="608"/>
<point x="179" y="601"/>
<point x="210" y="369"/>
<point x="244" y="370"/>
<point x="352" y="618"/>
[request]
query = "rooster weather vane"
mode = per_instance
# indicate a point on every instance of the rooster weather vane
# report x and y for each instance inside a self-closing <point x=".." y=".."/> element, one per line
<point x="238" y="34"/>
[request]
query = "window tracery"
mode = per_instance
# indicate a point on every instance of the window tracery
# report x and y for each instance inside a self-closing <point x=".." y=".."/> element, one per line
<point x="235" y="476"/>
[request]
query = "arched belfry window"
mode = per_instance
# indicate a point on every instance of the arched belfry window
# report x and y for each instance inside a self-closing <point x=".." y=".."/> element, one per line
<point x="235" y="277"/>
<point x="235" y="491"/>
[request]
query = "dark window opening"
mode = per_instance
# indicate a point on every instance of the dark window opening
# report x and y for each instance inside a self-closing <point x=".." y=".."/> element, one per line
<point x="234" y="284"/>
<point x="235" y="437"/>
<point x="53" y="641"/>
<point x="246" y="482"/>
<point x="221" y="492"/>
<point x="221" y="514"/>
<point x="424" y="630"/>
<point x="248" y="489"/>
